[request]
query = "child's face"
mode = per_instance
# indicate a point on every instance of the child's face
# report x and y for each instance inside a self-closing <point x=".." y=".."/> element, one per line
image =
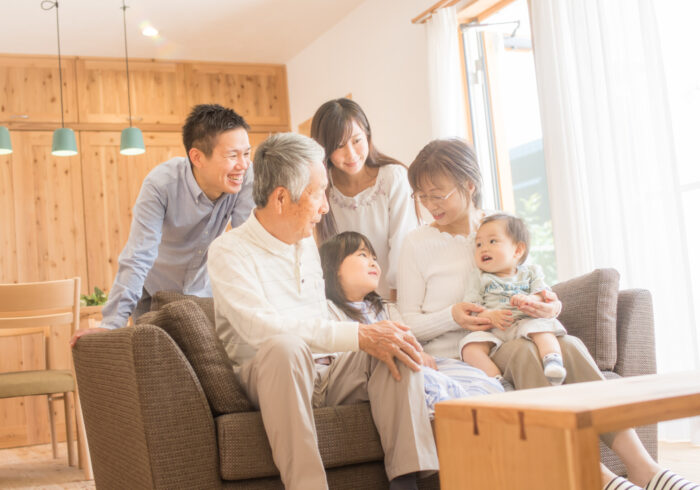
<point x="359" y="274"/>
<point x="495" y="251"/>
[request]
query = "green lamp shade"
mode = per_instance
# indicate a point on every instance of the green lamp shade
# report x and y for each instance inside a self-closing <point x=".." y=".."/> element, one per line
<point x="64" y="144"/>
<point x="132" y="142"/>
<point x="5" y="143"/>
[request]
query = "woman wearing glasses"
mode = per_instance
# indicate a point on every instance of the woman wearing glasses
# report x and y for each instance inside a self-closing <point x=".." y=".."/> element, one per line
<point x="368" y="191"/>
<point x="436" y="267"/>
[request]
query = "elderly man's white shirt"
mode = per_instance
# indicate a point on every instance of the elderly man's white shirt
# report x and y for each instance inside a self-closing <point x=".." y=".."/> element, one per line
<point x="264" y="287"/>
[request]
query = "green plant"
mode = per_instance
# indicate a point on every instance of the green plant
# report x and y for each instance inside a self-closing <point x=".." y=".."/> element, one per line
<point x="99" y="297"/>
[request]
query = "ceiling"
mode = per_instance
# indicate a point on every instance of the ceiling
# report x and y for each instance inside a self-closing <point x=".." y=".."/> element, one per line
<point x="256" y="31"/>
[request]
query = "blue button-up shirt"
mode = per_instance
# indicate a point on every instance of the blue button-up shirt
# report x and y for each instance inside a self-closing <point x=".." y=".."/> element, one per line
<point x="174" y="222"/>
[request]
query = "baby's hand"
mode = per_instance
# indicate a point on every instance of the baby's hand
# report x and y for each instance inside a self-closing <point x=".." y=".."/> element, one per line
<point x="428" y="360"/>
<point x="499" y="318"/>
<point x="519" y="300"/>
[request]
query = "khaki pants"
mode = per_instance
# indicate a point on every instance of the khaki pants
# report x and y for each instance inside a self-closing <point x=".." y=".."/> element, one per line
<point x="284" y="382"/>
<point x="520" y="362"/>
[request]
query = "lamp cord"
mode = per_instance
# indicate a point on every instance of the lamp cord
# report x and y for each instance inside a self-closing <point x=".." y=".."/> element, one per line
<point x="48" y="5"/>
<point x="126" y="58"/>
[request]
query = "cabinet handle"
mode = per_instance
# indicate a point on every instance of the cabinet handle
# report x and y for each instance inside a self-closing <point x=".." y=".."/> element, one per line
<point x="19" y="116"/>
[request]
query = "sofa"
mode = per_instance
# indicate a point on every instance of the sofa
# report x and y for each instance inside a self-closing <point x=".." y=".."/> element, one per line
<point x="163" y="409"/>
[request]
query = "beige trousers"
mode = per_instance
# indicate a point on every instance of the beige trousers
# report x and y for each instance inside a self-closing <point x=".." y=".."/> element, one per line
<point x="520" y="363"/>
<point x="283" y="381"/>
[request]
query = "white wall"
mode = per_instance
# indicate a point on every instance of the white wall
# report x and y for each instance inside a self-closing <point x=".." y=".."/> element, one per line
<point x="379" y="56"/>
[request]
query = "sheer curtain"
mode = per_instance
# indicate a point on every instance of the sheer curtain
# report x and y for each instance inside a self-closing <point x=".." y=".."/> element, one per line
<point x="444" y="75"/>
<point x="611" y="165"/>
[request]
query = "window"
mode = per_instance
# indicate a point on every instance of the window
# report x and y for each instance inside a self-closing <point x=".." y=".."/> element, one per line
<point x="505" y="123"/>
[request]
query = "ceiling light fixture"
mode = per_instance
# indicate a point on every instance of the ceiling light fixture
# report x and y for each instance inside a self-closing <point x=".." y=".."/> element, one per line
<point x="132" y="138"/>
<point x="64" y="144"/>
<point x="149" y="31"/>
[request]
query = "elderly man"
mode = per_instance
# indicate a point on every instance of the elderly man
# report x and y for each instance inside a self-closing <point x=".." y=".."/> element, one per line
<point x="272" y="319"/>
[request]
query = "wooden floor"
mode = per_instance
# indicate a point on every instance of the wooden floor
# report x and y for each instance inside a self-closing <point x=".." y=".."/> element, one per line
<point x="33" y="467"/>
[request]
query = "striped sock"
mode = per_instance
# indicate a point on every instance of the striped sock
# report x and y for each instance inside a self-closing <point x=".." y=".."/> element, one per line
<point x="668" y="480"/>
<point x="621" y="483"/>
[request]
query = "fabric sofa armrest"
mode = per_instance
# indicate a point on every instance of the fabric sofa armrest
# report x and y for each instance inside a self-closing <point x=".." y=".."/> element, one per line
<point x="636" y="349"/>
<point x="147" y="420"/>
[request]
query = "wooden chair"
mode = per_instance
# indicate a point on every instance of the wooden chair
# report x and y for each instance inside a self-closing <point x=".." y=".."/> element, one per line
<point x="34" y="308"/>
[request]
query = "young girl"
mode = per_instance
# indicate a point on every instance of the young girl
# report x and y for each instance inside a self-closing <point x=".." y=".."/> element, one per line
<point x="352" y="274"/>
<point x="368" y="191"/>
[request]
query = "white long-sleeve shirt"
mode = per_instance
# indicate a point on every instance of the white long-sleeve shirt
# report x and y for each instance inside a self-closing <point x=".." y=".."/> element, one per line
<point x="264" y="287"/>
<point x="384" y="213"/>
<point x="436" y="270"/>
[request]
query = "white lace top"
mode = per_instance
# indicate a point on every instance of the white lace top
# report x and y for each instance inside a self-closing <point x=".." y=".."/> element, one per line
<point x="384" y="213"/>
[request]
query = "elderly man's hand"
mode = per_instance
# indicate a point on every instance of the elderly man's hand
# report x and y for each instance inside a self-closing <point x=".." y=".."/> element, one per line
<point x="387" y="340"/>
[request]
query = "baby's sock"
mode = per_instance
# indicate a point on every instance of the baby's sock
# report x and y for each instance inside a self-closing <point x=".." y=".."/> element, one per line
<point x="507" y="385"/>
<point x="554" y="368"/>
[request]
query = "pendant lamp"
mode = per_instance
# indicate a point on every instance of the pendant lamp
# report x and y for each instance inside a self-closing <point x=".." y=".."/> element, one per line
<point x="5" y="142"/>
<point x="132" y="138"/>
<point x="64" y="144"/>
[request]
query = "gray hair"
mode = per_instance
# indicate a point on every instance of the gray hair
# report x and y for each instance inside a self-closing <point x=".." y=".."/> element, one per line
<point x="283" y="160"/>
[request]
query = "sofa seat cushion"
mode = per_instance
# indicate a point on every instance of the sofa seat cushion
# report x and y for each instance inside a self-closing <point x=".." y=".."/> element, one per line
<point x="590" y="313"/>
<point x="346" y="436"/>
<point x="194" y="333"/>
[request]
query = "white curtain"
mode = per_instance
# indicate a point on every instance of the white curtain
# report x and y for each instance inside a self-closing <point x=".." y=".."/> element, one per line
<point x="444" y="75"/>
<point x="611" y="165"/>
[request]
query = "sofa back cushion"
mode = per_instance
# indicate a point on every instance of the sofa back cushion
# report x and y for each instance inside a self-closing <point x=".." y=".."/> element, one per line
<point x="194" y="333"/>
<point x="590" y="313"/>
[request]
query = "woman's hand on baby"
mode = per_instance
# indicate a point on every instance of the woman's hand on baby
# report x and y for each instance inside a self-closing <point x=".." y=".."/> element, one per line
<point x="462" y="315"/>
<point x="428" y="360"/>
<point x="548" y="307"/>
<point x="388" y="341"/>
<point x="519" y="300"/>
<point x="499" y="318"/>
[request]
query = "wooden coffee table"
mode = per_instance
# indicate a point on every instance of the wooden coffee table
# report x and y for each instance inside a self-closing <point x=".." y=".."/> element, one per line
<point x="547" y="438"/>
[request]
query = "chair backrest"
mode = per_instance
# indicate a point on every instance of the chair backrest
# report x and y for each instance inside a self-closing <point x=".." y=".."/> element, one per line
<point x="31" y="308"/>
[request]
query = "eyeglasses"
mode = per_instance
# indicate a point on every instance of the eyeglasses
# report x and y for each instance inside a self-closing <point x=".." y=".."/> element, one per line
<point x="432" y="199"/>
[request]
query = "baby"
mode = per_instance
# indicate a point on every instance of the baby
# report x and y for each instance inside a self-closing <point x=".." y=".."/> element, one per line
<point x="501" y="247"/>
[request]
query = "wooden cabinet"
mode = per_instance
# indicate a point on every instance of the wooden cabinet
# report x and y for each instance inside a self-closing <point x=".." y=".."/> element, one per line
<point x="112" y="184"/>
<point x="157" y="91"/>
<point x="30" y="92"/>
<point x="42" y="237"/>
<point x="257" y="92"/>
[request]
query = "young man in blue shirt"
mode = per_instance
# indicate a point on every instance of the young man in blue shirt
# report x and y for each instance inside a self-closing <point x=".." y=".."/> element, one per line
<point x="183" y="205"/>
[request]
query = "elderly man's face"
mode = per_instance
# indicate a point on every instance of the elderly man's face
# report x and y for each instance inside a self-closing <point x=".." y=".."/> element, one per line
<point x="304" y="214"/>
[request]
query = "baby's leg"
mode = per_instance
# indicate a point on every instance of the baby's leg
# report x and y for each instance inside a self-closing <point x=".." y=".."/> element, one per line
<point x="477" y="354"/>
<point x="550" y="353"/>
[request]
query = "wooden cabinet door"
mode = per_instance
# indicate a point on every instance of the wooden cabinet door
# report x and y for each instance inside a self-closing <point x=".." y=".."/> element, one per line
<point x="157" y="91"/>
<point x="111" y="185"/>
<point x="42" y="237"/>
<point x="30" y="91"/>
<point x="257" y="92"/>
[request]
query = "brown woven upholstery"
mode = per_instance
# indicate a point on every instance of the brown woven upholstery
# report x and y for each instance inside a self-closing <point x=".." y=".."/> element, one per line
<point x="590" y="313"/>
<point x="187" y="324"/>
<point x="344" y="438"/>
<point x="149" y="424"/>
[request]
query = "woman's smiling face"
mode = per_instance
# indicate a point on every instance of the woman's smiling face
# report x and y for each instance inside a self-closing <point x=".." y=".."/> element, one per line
<point x="444" y="199"/>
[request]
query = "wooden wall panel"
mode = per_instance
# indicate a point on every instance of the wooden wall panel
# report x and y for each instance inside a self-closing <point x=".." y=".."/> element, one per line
<point x="43" y="228"/>
<point x="112" y="183"/>
<point x="157" y="91"/>
<point x="29" y="86"/>
<point x="257" y="92"/>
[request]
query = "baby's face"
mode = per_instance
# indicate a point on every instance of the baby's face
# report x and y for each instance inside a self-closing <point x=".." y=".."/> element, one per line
<point x="359" y="274"/>
<point x="495" y="251"/>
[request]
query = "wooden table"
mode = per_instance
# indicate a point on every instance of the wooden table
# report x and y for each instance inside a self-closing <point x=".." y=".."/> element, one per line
<point x="547" y="438"/>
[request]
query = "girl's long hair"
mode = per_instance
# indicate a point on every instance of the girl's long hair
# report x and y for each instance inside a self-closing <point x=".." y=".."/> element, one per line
<point x="331" y="127"/>
<point x="333" y="252"/>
